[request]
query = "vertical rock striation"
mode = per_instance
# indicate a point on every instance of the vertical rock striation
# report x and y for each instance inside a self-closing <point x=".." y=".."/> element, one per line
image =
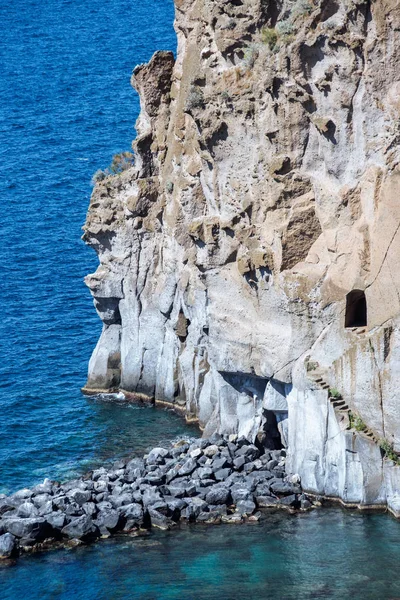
<point x="265" y="191"/>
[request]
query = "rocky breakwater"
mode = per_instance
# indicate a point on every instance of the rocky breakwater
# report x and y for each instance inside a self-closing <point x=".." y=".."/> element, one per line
<point x="215" y="480"/>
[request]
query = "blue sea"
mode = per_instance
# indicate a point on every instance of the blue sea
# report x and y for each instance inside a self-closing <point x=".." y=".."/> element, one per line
<point x="66" y="106"/>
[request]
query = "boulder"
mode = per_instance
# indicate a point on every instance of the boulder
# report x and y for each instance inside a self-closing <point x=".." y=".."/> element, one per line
<point x="188" y="467"/>
<point x="30" y="530"/>
<point x="56" y="520"/>
<point x="210" y="451"/>
<point x="8" y="546"/>
<point x="82" y="528"/>
<point x="160" y="520"/>
<point x="245" y="507"/>
<point x="108" y="521"/>
<point x="157" y="456"/>
<point x="222" y="474"/>
<point x="218" y="495"/>
<point x="27" y="510"/>
<point x="240" y="493"/>
<point x="79" y="496"/>
<point x="266" y="501"/>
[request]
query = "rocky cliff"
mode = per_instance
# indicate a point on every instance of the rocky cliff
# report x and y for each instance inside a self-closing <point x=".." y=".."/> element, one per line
<point x="249" y="260"/>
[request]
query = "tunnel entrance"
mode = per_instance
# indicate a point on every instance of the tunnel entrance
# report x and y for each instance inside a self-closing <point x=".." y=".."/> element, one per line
<point x="271" y="435"/>
<point x="356" y="309"/>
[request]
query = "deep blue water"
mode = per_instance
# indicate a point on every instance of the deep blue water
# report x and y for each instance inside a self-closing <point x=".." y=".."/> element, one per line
<point x="66" y="107"/>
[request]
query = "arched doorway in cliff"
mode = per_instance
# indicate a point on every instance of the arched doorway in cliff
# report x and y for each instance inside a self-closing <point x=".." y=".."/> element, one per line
<point x="356" y="309"/>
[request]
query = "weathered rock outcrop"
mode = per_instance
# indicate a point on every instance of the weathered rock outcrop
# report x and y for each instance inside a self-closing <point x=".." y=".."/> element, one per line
<point x="257" y="237"/>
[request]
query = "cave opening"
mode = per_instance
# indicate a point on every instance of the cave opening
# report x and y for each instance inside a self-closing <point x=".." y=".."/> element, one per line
<point x="271" y="435"/>
<point x="356" y="309"/>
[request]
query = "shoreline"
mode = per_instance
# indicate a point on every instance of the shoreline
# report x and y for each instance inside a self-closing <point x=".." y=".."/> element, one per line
<point x="212" y="481"/>
<point x="144" y="399"/>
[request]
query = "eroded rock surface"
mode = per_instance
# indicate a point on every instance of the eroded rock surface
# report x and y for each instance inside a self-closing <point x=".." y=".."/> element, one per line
<point x="265" y="190"/>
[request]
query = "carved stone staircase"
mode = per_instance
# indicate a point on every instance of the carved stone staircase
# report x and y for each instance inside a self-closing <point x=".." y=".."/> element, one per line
<point x="339" y="404"/>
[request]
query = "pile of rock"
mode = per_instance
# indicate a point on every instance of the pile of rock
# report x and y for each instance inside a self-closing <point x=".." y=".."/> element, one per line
<point x="208" y="480"/>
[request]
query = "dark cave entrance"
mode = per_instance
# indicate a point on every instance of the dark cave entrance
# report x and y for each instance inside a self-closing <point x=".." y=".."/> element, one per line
<point x="271" y="435"/>
<point x="356" y="309"/>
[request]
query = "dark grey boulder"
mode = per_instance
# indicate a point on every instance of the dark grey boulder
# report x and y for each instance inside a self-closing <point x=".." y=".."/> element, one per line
<point x="221" y="463"/>
<point x="74" y="510"/>
<point x="266" y="501"/>
<point x="74" y="484"/>
<point x="6" y="505"/>
<point x="31" y="530"/>
<point x="188" y="467"/>
<point x="79" y="496"/>
<point x="56" y="520"/>
<point x="271" y="464"/>
<point x="150" y="497"/>
<point x="108" y="521"/>
<point x="27" y="510"/>
<point x="290" y="501"/>
<point x="160" y="520"/>
<point x="98" y="473"/>
<point x="281" y="487"/>
<point x="216" y="438"/>
<point x="262" y="490"/>
<point x="218" y="495"/>
<point x="172" y="474"/>
<point x="245" y="507"/>
<point x="305" y="503"/>
<point x="156" y="478"/>
<point x="135" y="516"/>
<point x="239" y="462"/>
<point x="240" y="493"/>
<point x="202" y="460"/>
<point x="249" y="452"/>
<point x="157" y="456"/>
<point x="121" y="499"/>
<point x="90" y="508"/>
<point x="175" y="503"/>
<point x="47" y="487"/>
<point x="222" y="474"/>
<point x="180" y="491"/>
<point x="118" y="465"/>
<point x="41" y="499"/>
<point x="220" y="509"/>
<point x="135" y="463"/>
<point x="61" y="502"/>
<point x="101" y="486"/>
<point x="81" y="528"/>
<point x="21" y="495"/>
<point x="8" y="546"/>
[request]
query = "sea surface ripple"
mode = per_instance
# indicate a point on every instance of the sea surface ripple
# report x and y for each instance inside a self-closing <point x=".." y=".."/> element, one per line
<point x="66" y="106"/>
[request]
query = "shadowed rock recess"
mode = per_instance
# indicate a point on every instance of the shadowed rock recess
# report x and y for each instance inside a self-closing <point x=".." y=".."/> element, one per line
<point x="249" y="259"/>
<point x="209" y="481"/>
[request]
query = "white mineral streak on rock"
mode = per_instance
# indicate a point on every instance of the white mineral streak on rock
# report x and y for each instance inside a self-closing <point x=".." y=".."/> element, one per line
<point x="266" y="188"/>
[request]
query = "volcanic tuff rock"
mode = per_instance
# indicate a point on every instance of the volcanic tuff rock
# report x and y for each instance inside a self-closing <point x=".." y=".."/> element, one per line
<point x="265" y="191"/>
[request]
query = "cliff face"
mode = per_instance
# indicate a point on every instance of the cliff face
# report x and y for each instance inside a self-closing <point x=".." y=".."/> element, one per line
<point x="249" y="261"/>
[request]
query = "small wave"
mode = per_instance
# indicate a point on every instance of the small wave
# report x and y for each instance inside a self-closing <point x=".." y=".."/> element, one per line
<point x="110" y="397"/>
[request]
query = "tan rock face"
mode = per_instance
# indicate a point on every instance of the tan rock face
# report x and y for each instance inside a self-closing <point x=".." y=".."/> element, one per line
<point x="266" y="188"/>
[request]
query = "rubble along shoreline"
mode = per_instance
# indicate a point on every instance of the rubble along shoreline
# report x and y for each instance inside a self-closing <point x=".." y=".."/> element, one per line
<point x="212" y="481"/>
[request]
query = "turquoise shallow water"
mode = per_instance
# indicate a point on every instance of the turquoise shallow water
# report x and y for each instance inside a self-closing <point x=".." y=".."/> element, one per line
<point x="65" y="108"/>
<point x="327" y="554"/>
